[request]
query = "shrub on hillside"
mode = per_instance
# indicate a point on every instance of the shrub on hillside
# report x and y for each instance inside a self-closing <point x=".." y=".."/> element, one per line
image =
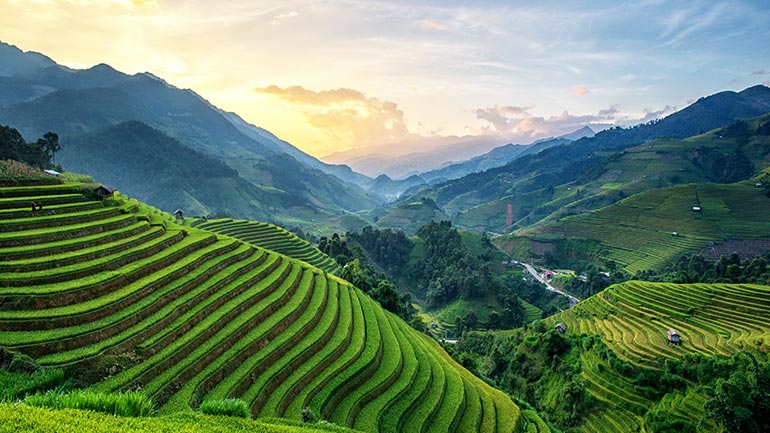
<point x="130" y="403"/>
<point x="226" y="407"/>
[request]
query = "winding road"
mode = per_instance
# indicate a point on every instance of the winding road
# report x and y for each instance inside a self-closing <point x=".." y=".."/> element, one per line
<point x="572" y="300"/>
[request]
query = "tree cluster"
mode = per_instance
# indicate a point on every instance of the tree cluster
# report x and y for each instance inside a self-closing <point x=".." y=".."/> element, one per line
<point x="448" y="270"/>
<point x="388" y="248"/>
<point x="536" y="365"/>
<point x="697" y="269"/>
<point x="37" y="154"/>
<point x="357" y="270"/>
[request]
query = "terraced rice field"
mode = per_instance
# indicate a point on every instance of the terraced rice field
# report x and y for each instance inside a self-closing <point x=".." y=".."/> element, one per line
<point x="632" y="318"/>
<point x="638" y="232"/>
<point x="712" y="319"/>
<point x="274" y="238"/>
<point x="189" y="315"/>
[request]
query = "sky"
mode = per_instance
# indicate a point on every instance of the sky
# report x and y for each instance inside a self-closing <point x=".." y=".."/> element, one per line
<point x="329" y="76"/>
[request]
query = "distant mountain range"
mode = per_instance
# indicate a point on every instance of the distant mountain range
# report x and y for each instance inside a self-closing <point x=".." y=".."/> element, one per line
<point x="413" y="156"/>
<point x="501" y="155"/>
<point x="37" y="95"/>
<point x="539" y="184"/>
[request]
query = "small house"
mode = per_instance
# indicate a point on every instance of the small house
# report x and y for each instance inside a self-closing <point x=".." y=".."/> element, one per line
<point x="561" y="327"/>
<point x="696" y="208"/>
<point x="179" y="214"/>
<point x="758" y="185"/>
<point x="674" y="234"/>
<point x="673" y="337"/>
<point x="104" y="191"/>
<point x="549" y="275"/>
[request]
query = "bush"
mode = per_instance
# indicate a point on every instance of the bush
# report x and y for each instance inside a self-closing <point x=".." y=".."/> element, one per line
<point x="131" y="403"/>
<point x="17" y="385"/>
<point x="309" y="415"/>
<point x="226" y="407"/>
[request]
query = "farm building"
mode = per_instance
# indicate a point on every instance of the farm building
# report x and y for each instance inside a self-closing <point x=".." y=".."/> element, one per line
<point x="673" y="337"/>
<point x="696" y="208"/>
<point x="104" y="191"/>
<point x="561" y="327"/>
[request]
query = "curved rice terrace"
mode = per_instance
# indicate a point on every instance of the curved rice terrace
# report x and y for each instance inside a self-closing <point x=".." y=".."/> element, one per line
<point x="632" y="319"/>
<point x="188" y="316"/>
<point x="271" y="237"/>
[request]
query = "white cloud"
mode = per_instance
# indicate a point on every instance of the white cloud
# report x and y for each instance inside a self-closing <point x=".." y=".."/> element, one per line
<point x="278" y="19"/>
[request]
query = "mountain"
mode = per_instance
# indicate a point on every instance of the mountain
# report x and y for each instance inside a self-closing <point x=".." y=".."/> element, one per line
<point x="413" y="156"/>
<point x="14" y="61"/>
<point x="639" y="221"/>
<point x="72" y="103"/>
<point x="408" y="217"/>
<point x="500" y="156"/>
<point x="149" y="164"/>
<point x="551" y="174"/>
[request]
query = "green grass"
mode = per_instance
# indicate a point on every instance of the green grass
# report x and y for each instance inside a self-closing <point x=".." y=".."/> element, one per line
<point x="15" y="385"/>
<point x="226" y="407"/>
<point x="120" y="404"/>
<point x="19" y="417"/>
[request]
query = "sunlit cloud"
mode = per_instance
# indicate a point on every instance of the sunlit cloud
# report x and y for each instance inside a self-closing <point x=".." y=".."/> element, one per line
<point x="432" y="24"/>
<point x="581" y="90"/>
<point x="345" y="115"/>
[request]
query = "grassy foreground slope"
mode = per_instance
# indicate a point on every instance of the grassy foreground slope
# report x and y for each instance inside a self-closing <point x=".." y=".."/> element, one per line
<point x="714" y="320"/>
<point x="271" y="237"/>
<point x="18" y="417"/>
<point x="128" y="299"/>
<point x="650" y="229"/>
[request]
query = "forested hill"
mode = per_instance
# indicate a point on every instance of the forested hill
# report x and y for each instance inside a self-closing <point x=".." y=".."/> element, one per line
<point x="144" y="162"/>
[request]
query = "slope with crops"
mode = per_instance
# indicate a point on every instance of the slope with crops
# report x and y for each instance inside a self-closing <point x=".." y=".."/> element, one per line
<point x="271" y="237"/>
<point x="634" y="320"/>
<point x="122" y="294"/>
<point x="650" y="229"/>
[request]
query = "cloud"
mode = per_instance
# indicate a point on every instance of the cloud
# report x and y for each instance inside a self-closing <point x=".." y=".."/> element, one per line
<point x="277" y="19"/>
<point x="345" y="115"/>
<point x="608" y="113"/>
<point x="432" y="24"/>
<point x="649" y="114"/>
<point x="759" y="73"/>
<point x="517" y="123"/>
<point x="581" y="90"/>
